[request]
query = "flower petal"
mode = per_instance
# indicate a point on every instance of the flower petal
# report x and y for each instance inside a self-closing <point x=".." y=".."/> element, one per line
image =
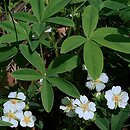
<point x="104" y="78"/>
<point x="122" y="104"/>
<point x="124" y="96"/>
<point x="111" y="104"/>
<point x="92" y="106"/>
<point x="90" y="85"/>
<point x="12" y="95"/>
<point x="20" y="105"/>
<point x="28" y="113"/>
<point x="79" y="111"/>
<point x="22" y="123"/>
<point x="116" y="90"/>
<point x="77" y="102"/>
<point x="109" y="95"/>
<point x="88" y="115"/>
<point x="14" y="122"/>
<point x="100" y="86"/>
<point x="19" y="114"/>
<point x="21" y="96"/>
<point x="30" y="124"/>
<point x="83" y="99"/>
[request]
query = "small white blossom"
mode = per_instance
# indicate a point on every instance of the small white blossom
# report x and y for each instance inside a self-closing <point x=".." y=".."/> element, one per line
<point x="68" y="107"/>
<point x="84" y="108"/>
<point x="15" y="101"/>
<point x="27" y="120"/>
<point x="98" y="83"/>
<point x="12" y="116"/>
<point x="115" y="97"/>
<point x="48" y="30"/>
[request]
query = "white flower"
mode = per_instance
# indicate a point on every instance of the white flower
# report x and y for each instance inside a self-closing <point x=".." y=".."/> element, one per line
<point x="98" y="83"/>
<point x="84" y="108"/>
<point x="16" y="95"/>
<point x="115" y="97"/>
<point x="12" y="116"/>
<point x="28" y="119"/>
<point x="15" y="101"/>
<point x="68" y="106"/>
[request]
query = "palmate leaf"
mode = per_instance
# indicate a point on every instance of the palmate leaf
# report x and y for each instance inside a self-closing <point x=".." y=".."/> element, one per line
<point x="61" y="21"/>
<point x="38" y="8"/>
<point x="118" y="120"/>
<point x="111" y="38"/>
<point x="33" y="57"/>
<point x="47" y="95"/>
<point x="89" y="20"/>
<point x="93" y="59"/>
<point x="64" y="86"/>
<point x="102" y="123"/>
<point x="63" y="64"/>
<point x="7" y="53"/>
<point x="27" y="74"/>
<point x="72" y="43"/>
<point x="53" y="7"/>
<point x="24" y="16"/>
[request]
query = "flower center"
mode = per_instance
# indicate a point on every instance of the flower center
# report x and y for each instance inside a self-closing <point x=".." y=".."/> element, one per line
<point x="116" y="98"/>
<point x="97" y="81"/>
<point x="26" y="119"/>
<point x="11" y="115"/>
<point x="84" y="107"/>
<point x="69" y="106"/>
<point x="13" y="101"/>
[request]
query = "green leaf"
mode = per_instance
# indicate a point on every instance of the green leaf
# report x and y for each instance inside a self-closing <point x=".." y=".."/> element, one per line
<point x="63" y="64"/>
<point x="53" y="7"/>
<point x="103" y="32"/>
<point x="113" y="5"/>
<point x="33" y="57"/>
<point x="3" y="123"/>
<point x="72" y="43"/>
<point x="89" y="20"/>
<point x="24" y="16"/>
<point x="93" y="59"/>
<point x="61" y="21"/>
<point x="7" y="53"/>
<point x="118" y="120"/>
<point x="64" y="86"/>
<point x="47" y="95"/>
<point x="38" y="8"/>
<point x="10" y="38"/>
<point x="102" y="122"/>
<point x="9" y="27"/>
<point x="96" y="3"/>
<point x="110" y="37"/>
<point x="27" y="74"/>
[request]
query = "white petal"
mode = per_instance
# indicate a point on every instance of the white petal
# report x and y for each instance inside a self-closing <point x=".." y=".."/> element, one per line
<point x="90" y="85"/>
<point x="5" y="118"/>
<point x="34" y="118"/>
<point x="28" y="113"/>
<point x="122" y="104"/>
<point x="19" y="114"/>
<point x="100" y="86"/>
<point x="79" y="111"/>
<point x="14" y="122"/>
<point x="83" y="99"/>
<point x="88" y="115"/>
<point x="77" y="102"/>
<point x="111" y="104"/>
<point x="21" y="96"/>
<point x="30" y="124"/>
<point x="104" y="78"/>
<point x="116" y="90"/>
<point x="48" y="30"/>
<point x="63" y="108"/>
<point x="92" y="106"/>
<point x="109" y="95"/>
<point x="20" y="105"/>
<point x="22" y="123"/>
<point x="12" y="95"/>
<point x="124" y="96"/>
<point x="89" y="77"/>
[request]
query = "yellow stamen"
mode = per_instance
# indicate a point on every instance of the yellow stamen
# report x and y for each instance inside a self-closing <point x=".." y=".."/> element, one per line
<point x="69" y="106"/>
<point x="116" y="98"/>
<point x="84" y="107"/>
<point x="97" y="81"/>
<point x="11" y="115"/>
<point x="26" y="119"/>
<point x="14" y="101"/>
